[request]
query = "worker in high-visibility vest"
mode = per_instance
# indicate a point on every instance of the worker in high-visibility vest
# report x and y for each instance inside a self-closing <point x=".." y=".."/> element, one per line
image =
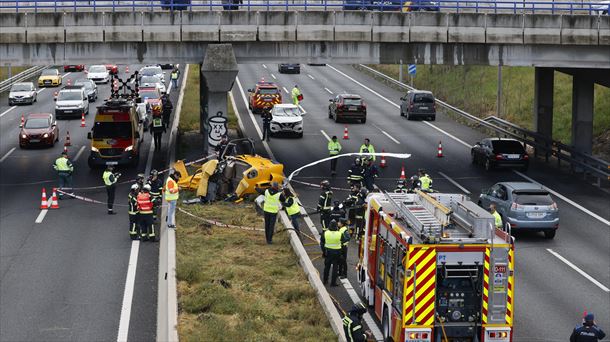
<point x="172" y="193"/>
<point x="331" y="242"/>
<point x="64" y="169"/>
<point x="496" y="215"/>
<point x="293" y="209"/>
<point x="334" y="148"/>
<point x="367" y="148"/>
<point x="110" y="178"/>
<point x="296" y="95"/>
<point x="425" y="180"/>
<point x="271" y="206"/>
<point x="174" y="77"/>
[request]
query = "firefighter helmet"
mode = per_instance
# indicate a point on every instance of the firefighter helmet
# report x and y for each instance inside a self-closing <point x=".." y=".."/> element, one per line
<point x="359" y="308"/>
<point x="325" y="184"/>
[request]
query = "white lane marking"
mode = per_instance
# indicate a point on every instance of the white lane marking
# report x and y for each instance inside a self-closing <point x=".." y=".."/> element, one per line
<point x="41" y="216"/>
<point x="8" y="110"/>
<point x="387" y="134"/>
<point x="150" y="156"/>
<point x="303" y="111"/>
<point x="575" y="268"/>
<point x="82" y="149"/>
<point x="40" y="90"/>
<point x="286" y="90"/>
<point x="66" y="74"/>
<point x="130" y="282"/>
<point x="264" y="66"/>
<point x="272" y="75"/>
<point x="353" y="295"/>
<point x="169" y="88"/>
<point x="243" y="96"/>
<point x="7" y="154"/>
<point x="308" y="75"/>
<point x="455" y="183"/>
<point x="328" y="90"/>
<point x="325" y="135"/>
<point x="576" y="205"/>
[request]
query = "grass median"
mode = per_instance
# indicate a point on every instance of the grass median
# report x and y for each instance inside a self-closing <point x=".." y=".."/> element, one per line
<point x="14" y="71"/>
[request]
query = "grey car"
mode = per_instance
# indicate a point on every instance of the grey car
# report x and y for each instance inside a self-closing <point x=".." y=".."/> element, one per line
<point x="22" y="93"/>
<point x="418" y="104"/>
<point x="90" y="89"/>
<point x="523" y="206"/>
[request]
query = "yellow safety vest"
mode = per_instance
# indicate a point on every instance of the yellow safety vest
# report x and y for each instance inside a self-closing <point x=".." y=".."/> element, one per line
<point x="334" y="148"/>
<point x="294" y="208"/>
<point x="174" y="75"/>
<point x="272" y="202"/>
<point x="425" y="182"/>
<point x="295" y="92"/>
<point x="332" y="239"/>
<point x="171" y="190"/>
<point x="62" y="165"/>
<point x="368" y="149"/>
<point x="498" y="219"/>
<point x="106" y="177"/>
<point x="342" y="231"/>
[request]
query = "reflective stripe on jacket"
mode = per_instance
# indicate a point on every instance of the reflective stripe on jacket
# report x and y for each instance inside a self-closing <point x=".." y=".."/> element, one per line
<point x="368" y="149"/>
<point x="145" y="206"/>
<point x="63" y="165"/>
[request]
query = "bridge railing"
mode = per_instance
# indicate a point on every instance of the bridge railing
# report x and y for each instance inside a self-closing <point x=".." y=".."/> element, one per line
<point x="596" y="167"/>
<point x="480" y="6"/>
<point x="22" y="76"/>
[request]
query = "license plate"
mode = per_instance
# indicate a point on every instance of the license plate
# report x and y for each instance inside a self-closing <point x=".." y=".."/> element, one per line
<point x="423" y="107"/>
<point x="536" y="215"/>
<point x="112" y="163"/>
<point x="34" y="140"/>
<point x="513" y="156"/>
<point x="353" y="108"/>
<point x="267" y="100"/>
<point x="67" y="111"/>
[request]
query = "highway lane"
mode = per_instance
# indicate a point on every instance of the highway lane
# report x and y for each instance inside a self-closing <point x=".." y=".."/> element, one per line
<point x="536" y="267"/>
<point x="63" y="279"/>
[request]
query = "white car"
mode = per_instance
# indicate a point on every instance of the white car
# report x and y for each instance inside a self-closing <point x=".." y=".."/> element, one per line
<point x="98" y="74"/>
<point x="153" y="81"/>
<point x="152" y="70"/>
<point x="23" y="92"/>
<point x="286" y="118"/>
<point x="601" y="7"/>
<point x="72" y="101"/>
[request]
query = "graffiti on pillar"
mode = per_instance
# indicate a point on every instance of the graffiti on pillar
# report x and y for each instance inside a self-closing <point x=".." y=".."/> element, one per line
<point x="218" y="128"/>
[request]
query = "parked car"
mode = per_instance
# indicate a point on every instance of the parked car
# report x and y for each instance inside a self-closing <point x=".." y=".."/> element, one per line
<point x="500" y="152"/>
<point x="523" y="206"/>
<point x="49" y="78"/>
<point x="286" y="118"/>
<point x="152" y="81"/>
<point x="22" y="92"/>
<point x="166" y="66"/>
<point x="112" y="69"/>
<point x="90" y="89"/>
<point x="98" y="74"/>
<point x="152" y="70"/>
<point x="71" y="102"/>
<point x="418" y="104"/>
<point x="347" y="107"/>
<point x="38" y="129"/>
<point x="285" y="68"/>
<point x="421" y="5"/>
<point x="74" y="67"/>
<point x="177" y="5"/>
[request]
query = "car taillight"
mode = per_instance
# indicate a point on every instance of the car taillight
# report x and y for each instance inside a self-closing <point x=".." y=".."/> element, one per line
<point x="499" y="157"/>
<point x="434" y="106"/>
<point x="554" y="206"/>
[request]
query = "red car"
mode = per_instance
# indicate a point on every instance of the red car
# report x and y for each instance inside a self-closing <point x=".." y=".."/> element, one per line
<point x="39" y="129"/>
<point x="112" y="69"/>
<point x="77" y="67"/>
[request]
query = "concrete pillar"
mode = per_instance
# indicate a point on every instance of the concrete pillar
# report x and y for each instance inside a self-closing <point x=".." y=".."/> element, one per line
<point x="582" y="114"/>
<point x="218" y="72"/>
<point x="543" y="104"/>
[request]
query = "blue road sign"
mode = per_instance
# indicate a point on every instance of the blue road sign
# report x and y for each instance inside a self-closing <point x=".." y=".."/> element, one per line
<point x="412" y="69"/>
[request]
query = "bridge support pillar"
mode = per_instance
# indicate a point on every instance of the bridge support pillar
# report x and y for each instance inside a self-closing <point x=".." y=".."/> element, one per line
<point x="582" y="115"/>
<point x="543" y="105"/>
<point x="218" y="72"/>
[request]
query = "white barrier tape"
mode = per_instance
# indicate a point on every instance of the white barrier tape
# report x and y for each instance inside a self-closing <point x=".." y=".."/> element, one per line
<point x="91" y="200"/>
<point x="318" y="185"/>
<point x="220" y="224"/>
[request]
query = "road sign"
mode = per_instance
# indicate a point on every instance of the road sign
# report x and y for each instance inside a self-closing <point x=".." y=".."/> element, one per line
<point x="412" y="69"/>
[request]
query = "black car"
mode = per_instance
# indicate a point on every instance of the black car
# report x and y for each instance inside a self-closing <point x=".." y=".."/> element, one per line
<point x="178" y="5"/>
<point x="346" y="107"/>
<point x="90" y="89"/>
<point x="285" y="68"/>
<point x="499" y="152"/>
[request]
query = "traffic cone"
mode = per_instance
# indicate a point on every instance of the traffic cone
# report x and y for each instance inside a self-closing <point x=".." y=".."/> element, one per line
<point x="402" y="173"/>
<point x="82" y="120"/>
<point x="67" y="143"/>
<point x="55" y="94"/>
<point x="65" y="149"/>
<point x="439" y="153"/>
<point x="43" y="203"/>
<point x="383" y="162"/>
<point x="22" y="120"/>
<point x="345" y="134"/>
<point x="54" y="203"/>
<point x="127" y="69"/>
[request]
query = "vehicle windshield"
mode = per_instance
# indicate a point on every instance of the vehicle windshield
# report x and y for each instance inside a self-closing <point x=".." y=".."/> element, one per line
<point x="36" y="123"/>
<point x="533" y="198"/>
<point x="103" y="130"/>
<point x="150" y="71"/>
<point x="150" y="79"/>
<point x="97" y="68"/>
<point x="85" y="84"/>
<point x="69" y="96"/>
<point x="423" y="98"/>
<point x="150" y="94"/>
<point x="286" y="111"/>
<point x="267" y="91"/>
<point x="352" y="102"/>
<point x="49" y="72"/>
<point x="507" y="146"/>
<point x="21" y="87"/>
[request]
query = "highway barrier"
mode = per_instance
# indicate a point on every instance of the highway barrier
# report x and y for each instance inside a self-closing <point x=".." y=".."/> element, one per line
<point x="22" y="76"/>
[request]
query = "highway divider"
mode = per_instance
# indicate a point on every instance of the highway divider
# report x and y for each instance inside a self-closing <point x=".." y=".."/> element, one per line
<point x="24" y="75"/>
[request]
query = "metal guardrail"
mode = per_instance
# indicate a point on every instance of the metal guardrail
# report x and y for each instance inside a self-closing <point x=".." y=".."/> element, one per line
<point x="596" y="167"/>
<point x="476" y="6"/>
<point x="24" y="75"/>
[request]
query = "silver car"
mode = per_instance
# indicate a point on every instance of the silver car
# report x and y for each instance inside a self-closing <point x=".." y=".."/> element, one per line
<point x="523" y="206"/>
<point x="21" y="93"/>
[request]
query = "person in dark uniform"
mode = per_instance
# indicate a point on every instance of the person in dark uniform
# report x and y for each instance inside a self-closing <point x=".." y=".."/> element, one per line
<point x="110" y="178"/>
<point x="588" y="331"/>
<point x="352" y="324"/>
<point x="218" y="149"/>
<point x="324" y="204"/>
<point x="133" y="211"/>
<point x="331" y="242"/>
<point x="343" y="229"/>
<point x="350" y="205"/>
<point x="157" y="128"/>
<point x="167" y="109"/>
<point x="267" y="117"/>
<point x="370" y="173"/>
<point x="360" y="210"/>
<point x="156" y="188"/>
<point x="337" y="212"/>
<point x="356" y="173"/>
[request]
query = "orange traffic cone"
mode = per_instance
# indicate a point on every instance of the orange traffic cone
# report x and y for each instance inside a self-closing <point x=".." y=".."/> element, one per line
<point x="43" y="203"/>
<point x="67" y="143"/>
<point x="345" y="134"/>
<point x="54" y="203"/>
<point x="383" y="162"/>
<point x="55" y="94"/>
<point x="22" y="120"/>
<point x="439" y="153"/>
<point x="65" y="149"/>
<point x="127" y="69"/>
<point x="402" y="173"/>
<point x="82" y="120"/>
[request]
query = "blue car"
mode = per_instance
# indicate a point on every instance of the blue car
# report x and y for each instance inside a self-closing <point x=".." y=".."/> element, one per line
<point x="178" y="5"/>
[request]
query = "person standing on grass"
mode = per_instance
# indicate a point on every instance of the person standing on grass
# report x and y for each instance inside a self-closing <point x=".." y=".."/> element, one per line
<point x="271" y="206"/>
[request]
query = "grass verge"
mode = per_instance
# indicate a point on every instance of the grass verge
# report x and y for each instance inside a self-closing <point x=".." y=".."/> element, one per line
<point x="232" y="286"/>
<point x="14" y="70"/>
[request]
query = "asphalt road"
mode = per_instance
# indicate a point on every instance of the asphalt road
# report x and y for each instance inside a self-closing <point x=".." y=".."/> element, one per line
<point x="550" y="294"/>
<point x="63" y="279"/>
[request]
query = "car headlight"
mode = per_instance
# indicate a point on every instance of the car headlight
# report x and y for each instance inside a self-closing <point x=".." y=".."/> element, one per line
<point x="128" y="148"/>
<point x="94" y="149"/>
<point x="46" y="135"/>
<point x="24" y="136"/>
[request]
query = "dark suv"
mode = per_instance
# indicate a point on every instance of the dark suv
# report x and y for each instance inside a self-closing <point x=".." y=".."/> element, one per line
<point x="347" y="106"/>
<point x="418" y="104"/>
<point x="293" y="68"/>
<point x="499" y="152"/>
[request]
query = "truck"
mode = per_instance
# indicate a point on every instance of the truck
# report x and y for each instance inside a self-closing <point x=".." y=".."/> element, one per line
<point x="116" y="134"/>
<point x="435" y="268"/>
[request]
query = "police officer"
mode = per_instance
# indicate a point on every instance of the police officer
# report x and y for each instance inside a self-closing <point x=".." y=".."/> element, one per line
<point x="64" y="169"/>
<point x="352" y="324"/>
<point x="156" y="188"/>
<point x="337" y="212"/>
<point x="496" y="215"/>
<point x="167" y="109"/>
<point x="273" y="198"/>
<point x="293" y="209"/>
<point x="110" y="178"/>
<point x="295" y="95"/>
<point x="588" y="331"/>
<point x="157" y="128"/>
<point x="145" y="212"/>
<point x="267" y="117"/>
<point x="425" y="180"/>
<point x="133" y="211"/>
<point x="367" y="148"/>
<point x="174" y="77"/>
<point x="356" y="173"/>
<point x="334" y="147"/>
<point x="331" y="242"/>
<point x="370" y="173"/>
<point x="343" y="229"/>
<point x="324" y="204"/>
